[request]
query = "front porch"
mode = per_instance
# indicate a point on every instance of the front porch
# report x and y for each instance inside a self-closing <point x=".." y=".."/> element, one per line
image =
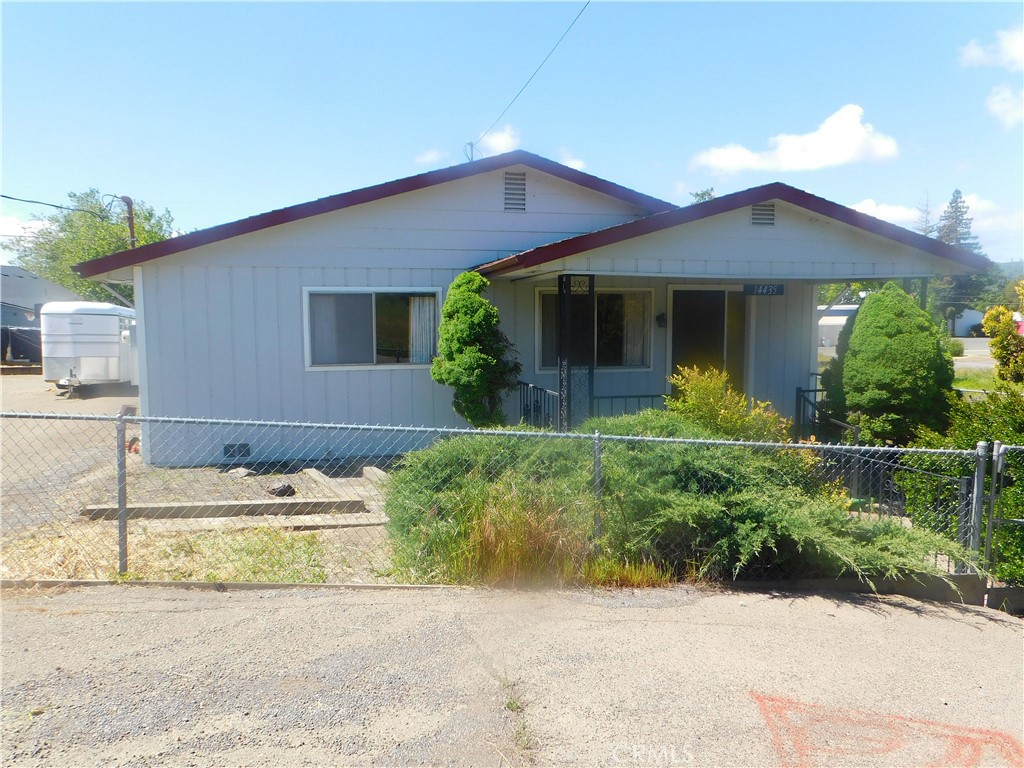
<point x="605" y="344"/>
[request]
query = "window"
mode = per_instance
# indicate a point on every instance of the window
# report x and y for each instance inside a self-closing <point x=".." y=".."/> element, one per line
<point x="621" y="327"/>
<point x="371" y="328"/>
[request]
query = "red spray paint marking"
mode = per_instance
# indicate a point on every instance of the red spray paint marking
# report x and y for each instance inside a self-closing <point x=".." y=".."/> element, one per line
<point x="808" y="735"/>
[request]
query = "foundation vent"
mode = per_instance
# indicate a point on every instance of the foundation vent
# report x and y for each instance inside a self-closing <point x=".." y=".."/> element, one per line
<point x="762" y="215"/>
<point x="515" y="191"/>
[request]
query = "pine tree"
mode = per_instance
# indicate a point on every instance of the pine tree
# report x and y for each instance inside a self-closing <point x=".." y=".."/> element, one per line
<point x="925" y="224"/>
<point x="954" y="225"/>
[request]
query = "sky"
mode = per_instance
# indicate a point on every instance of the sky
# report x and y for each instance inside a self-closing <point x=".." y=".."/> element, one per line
<point x="216" y="112"/>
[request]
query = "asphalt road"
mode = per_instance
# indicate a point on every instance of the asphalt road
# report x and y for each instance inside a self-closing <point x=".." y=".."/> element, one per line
<point x="148" y="676"/>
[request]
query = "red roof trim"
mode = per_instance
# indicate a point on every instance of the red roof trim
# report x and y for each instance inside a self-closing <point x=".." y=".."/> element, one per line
<point x="775" y="191"/>
<point x="367" y="194"/>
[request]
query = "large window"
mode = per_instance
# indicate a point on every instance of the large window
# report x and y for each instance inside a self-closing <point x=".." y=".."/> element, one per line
<point x="620" y="327"/>
<point x="371" y="328"/>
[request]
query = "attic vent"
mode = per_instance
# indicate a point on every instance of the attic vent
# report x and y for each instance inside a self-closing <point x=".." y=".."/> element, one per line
<point x="762" y="215"/>
<point x="515" y="191"/>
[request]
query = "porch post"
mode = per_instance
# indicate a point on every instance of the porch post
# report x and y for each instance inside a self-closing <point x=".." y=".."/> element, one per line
<point x="575" y="347"/>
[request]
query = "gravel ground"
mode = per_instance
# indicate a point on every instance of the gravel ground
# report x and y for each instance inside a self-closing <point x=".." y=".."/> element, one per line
<point x="150" y="676"/>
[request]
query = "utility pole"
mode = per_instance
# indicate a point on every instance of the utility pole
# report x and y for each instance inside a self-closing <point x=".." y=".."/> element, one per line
<point x="131" y="219"/>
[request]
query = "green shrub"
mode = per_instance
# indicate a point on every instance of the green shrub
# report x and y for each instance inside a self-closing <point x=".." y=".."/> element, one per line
<point x="705" y="397"/>
<point x="474" y="357"/>
<point x="953" y="347"/>
<point x="896" y="376"/>
<point x="1006" y="344"/>
<point x="485" y="509"/>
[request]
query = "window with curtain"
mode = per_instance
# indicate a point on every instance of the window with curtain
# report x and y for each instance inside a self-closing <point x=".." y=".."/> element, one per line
<point x="622" y="327"/>
<point x="379" y="328"/>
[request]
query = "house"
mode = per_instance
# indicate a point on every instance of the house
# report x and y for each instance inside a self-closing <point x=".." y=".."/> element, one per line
<point x="21" y="295"/>
<point x="328" y="311"/>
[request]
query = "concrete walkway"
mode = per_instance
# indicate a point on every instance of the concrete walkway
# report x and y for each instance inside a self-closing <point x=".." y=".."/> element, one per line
<point x="148" y="676"/>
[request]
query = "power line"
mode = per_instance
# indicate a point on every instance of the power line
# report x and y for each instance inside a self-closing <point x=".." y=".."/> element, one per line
<point x="473" y="144"/>
<point x="54" y="205"/>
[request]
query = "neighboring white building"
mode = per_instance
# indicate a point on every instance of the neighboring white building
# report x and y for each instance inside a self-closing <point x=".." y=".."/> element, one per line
<point x="328" y="311"/>
<point x="832" y="320"/>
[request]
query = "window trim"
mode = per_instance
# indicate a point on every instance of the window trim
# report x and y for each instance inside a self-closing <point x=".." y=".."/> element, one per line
<point x="538" y="335"/>
<point x="307" y="336"/>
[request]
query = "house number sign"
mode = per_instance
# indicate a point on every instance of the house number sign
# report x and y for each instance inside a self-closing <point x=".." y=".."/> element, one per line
<point x="763" y="289"/>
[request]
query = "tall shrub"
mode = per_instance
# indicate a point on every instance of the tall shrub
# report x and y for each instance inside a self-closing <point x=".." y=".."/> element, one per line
<point x="474" y="357"/>
<point x="896" y="375"/>
<point x="1007" y="345"/>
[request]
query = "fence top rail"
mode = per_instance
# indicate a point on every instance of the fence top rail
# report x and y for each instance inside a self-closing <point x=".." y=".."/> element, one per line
<point x="538" y="434"/>
<point x="60" y="416"/>
<point x="833" y="447"/>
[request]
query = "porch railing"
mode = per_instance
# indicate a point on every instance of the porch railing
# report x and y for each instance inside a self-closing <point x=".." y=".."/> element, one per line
<point x="538" y="407"/>
<point x="809" y="416"/>
<point x="619" y="405"/>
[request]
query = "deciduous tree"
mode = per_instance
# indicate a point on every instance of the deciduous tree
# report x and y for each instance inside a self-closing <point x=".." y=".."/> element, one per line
<point x="88" y="232"/>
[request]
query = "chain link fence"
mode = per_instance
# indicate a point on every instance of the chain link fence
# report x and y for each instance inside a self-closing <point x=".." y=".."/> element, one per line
<point x="1004" y="535"/>
<point x="94" y="497"/>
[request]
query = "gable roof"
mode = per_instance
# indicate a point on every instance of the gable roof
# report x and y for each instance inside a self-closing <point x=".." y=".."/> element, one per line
<point x="366" y="195"/>
<point x="763" y="194"/>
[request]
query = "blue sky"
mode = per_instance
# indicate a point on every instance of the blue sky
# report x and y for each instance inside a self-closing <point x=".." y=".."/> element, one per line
<point x="221" y="111"/>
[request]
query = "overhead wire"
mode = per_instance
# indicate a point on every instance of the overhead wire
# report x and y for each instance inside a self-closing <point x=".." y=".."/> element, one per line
<point x="53" y="205"/>
<point x="472" y="145"/>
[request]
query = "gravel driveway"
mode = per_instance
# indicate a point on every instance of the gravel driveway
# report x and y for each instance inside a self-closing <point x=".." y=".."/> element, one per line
<point x="149" y="676"/>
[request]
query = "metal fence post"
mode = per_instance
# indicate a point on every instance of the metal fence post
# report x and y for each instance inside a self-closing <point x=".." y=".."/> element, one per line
<point x="598" y="483"/>
<point x="978" y="498"/>
<point x="122" y="497"/>
<point x="995" y="488"/>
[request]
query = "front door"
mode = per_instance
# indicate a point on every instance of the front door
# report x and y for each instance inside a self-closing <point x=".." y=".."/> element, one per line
<point x="709" y="330"/>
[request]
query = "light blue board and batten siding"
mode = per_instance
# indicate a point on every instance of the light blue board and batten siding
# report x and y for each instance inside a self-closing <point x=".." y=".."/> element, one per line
<point x="222" y="325"/>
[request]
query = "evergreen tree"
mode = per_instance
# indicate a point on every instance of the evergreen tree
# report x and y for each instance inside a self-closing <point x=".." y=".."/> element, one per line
<point x="925" y="224"/>
<point x="896" y="375"/>
<point x="474" y="357"/>
<point x="954" y="225"/>
<point x="952" y="295"/>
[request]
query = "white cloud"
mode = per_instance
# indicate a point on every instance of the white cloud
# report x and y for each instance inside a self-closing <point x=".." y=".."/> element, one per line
<point x="504" y="140"/>
<point x="1006" y="105"/>
<point x="842" y="138"/>
<point x="897" y="214"/>
<point x="1007" y="51"/>
<point x="977" y="204"/>
<point x="566" y="158"/>
<point x="430" y="157"/>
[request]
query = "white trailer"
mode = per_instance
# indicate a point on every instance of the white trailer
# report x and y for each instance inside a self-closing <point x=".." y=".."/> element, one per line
<point x="88" y="342"/>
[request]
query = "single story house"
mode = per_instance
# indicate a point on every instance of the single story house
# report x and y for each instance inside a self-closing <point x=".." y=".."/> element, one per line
<point x="327" y="311"/>
<point x="21" y="295"/>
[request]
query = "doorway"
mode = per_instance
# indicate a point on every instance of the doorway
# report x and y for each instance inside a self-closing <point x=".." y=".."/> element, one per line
<point x="709" y="328"/>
